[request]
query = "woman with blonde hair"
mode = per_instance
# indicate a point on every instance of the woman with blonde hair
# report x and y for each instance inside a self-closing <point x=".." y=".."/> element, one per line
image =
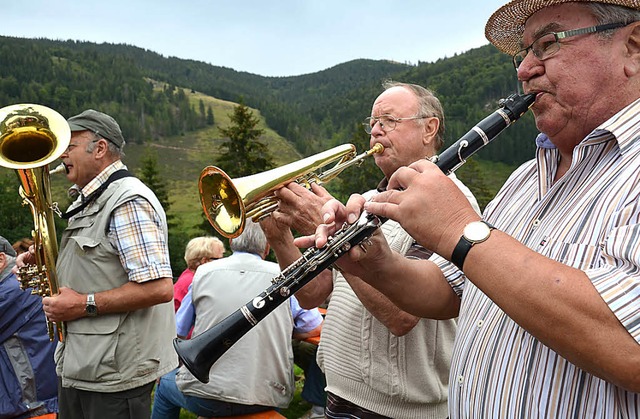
<point x="199" y="250"/>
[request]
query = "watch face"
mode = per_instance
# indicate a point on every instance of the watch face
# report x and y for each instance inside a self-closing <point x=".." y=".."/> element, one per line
<point x="477" y="231"/>
<point x="91" y="310"/>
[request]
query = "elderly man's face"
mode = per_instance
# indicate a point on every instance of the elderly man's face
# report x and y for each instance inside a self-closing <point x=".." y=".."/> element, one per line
<point x="411" y="140"/>
<point x="82" y="166"/>
<point x="577" y="85"/>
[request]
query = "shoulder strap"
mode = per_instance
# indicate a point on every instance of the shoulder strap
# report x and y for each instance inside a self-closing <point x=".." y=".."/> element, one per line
<point x="119" y="174"/>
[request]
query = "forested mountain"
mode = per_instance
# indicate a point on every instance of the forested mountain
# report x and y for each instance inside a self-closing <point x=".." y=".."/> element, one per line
<point x="174" y="114"/>
<point x="313" y="111"/>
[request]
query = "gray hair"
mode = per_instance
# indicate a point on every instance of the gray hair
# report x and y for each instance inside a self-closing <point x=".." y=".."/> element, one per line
<point x="252" y="239"/>
<point x="608" y="13"/>
<point x="202" y="247"/>
<point x="428" y="105"/>
<point x="114" y="150"/>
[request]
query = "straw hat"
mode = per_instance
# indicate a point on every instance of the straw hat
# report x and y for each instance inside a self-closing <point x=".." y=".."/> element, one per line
<point x="505" y="27"/>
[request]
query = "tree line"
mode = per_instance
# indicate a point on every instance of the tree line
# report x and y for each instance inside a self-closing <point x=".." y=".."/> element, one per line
<point x="313" y="111"/>
<point x="70" y="81"/>
<point x="149" y="95"/>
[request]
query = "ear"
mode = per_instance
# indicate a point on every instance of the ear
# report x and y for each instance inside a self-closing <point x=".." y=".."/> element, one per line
<point x="632" y="45"/>
<point x="431" y="126"/>
<point x="266" y="251"/>
<point x="3" y="260"/>
<point x="102" y="148"/>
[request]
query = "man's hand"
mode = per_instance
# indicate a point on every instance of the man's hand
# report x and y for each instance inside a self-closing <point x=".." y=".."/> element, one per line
<point x="25" y="258"/>
<point x="277" y="232"/>
<point x="64" y="306"/>
<point x="360" y="259"/>
<point x="299" y="207"/>
<point x="428" y="205"/>
<point x="334" y="215"/>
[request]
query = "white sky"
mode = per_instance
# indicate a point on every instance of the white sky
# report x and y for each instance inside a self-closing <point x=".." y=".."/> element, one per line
<point x="266" y="37"/>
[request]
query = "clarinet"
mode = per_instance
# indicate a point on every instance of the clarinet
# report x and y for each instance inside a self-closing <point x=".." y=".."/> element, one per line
<point x="201" y="352"/>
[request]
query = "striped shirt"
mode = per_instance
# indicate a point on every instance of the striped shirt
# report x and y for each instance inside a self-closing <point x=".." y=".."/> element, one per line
<point x="590" y="220"/>
<point x="137" y="231"/>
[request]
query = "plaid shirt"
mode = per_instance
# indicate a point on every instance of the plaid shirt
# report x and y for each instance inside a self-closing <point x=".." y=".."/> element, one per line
<point x="137" y="231"/>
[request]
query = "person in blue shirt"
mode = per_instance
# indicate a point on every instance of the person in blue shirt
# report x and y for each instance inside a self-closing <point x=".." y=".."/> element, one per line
<point x="28" y="384"/>
<point x="255" y="374"/>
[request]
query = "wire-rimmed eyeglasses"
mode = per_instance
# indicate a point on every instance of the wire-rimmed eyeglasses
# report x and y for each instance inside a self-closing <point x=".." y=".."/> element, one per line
<point x="549" y="43"/>
<point x="387" y="122"/>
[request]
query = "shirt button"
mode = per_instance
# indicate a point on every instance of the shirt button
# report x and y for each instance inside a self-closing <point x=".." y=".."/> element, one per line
<point x="480" y="323"/>
<point x="536" y="223"/>
<point x="460" y="379"/>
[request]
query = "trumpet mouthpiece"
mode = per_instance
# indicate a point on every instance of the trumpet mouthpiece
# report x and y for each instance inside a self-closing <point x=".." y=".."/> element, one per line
<point x="377" y="149"/>
<point x="61" y="168"/>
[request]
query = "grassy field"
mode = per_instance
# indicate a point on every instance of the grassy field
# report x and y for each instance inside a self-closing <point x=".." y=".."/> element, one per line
<point x="181" y="159"/>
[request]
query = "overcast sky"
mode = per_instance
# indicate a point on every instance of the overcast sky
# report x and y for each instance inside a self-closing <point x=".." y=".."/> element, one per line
<point x="270" y="38"/>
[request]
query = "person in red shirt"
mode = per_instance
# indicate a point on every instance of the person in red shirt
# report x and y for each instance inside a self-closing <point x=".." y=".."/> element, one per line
<point x="199" y="250"/>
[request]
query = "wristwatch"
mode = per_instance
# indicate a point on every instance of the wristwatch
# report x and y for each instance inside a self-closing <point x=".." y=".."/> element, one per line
<point x="474" y="232"/>
<point x="91" y="308"/>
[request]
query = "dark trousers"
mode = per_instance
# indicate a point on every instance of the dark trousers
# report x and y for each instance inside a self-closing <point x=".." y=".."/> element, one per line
<point x="304" y="355"/>
<point x="339" y="408"/>
<point x="128" y="404"/>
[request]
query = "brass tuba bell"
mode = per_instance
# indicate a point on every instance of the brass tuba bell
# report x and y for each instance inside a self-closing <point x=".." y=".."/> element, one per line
<point x="31" y="137"/>
<point x="227" y="202"/>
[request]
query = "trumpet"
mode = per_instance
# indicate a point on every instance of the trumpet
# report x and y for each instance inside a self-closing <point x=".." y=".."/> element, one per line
<point x="227" y="202"/>
<point x="61" y="168"/>
<point x="31" y="137"/>
<point x="201" y="352"/>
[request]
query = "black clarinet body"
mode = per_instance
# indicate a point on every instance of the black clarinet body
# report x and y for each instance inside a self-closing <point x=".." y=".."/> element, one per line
<point x="201" y="352"/>
<point x="484" y="132"/>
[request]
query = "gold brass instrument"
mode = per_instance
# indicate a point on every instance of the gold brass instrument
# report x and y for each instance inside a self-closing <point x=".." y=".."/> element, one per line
<point x="31" y="137"/>
<point x="227" y="202"/>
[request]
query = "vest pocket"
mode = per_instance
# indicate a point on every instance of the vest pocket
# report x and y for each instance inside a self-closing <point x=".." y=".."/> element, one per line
<point x="90" y="349"/>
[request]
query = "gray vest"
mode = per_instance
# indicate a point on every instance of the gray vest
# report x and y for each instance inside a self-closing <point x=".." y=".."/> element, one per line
<point x="258" y="369"/>
<point x="111" y="352"/>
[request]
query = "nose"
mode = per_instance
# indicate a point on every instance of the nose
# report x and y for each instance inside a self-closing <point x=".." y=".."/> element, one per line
<point x="530" y="67"/>
<point x="377" y="130"/>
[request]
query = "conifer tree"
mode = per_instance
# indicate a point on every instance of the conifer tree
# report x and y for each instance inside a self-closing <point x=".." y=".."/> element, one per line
<point x="472" y="176"/>
<point x="210" y="119"/>
<point x="150" y="176"/>
<point x="15" y="218"/>
<point x="244" y="153"/>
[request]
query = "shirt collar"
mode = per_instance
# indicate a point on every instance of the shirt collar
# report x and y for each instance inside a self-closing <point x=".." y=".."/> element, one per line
<point x="618" y="125"/>
<point x="101" y="178"/>
<point x="623" y="126"/>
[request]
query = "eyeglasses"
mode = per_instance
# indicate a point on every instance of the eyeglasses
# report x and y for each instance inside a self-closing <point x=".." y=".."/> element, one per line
<point x="549" y="43"/>
<point x="387" y="122"/>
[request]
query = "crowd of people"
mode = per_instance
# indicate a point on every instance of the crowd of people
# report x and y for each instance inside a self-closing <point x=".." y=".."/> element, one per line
<point x="530" y="308"/>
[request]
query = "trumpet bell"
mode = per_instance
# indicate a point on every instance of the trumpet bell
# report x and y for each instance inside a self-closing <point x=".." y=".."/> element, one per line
<point x="227" y="202"/>
<point x="221" y="202"/>
<point x="31" y="136"/>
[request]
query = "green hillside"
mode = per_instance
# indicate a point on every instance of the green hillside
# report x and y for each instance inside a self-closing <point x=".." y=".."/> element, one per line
<point x="163" y="105"/>
<point x="181" y="158"/>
